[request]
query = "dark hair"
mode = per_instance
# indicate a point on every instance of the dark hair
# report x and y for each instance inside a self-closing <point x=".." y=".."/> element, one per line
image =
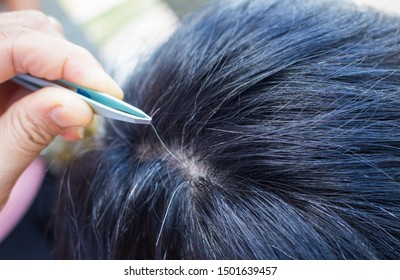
<point x="282" y="123"/>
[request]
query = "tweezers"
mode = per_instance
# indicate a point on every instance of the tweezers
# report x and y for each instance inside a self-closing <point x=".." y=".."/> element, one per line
<point x="101" y="103"/>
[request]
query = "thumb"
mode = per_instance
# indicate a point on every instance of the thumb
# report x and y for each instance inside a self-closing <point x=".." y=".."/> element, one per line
<point x="31" y="123"/>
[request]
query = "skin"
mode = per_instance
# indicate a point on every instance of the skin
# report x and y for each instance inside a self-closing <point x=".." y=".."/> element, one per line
<point x="31" y="42"/>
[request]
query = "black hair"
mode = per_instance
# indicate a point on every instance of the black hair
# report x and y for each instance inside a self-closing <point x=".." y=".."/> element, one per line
<point x="281" y="120"/>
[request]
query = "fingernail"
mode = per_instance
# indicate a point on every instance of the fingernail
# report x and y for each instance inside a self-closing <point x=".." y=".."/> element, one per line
<point x="104" y="83"/>
<point x="80" y="132"/>
<point x="73" y="133"/>
<point x="114" y="89"/>
<point x="63" y="117"/>
<point x="55" y="23"/>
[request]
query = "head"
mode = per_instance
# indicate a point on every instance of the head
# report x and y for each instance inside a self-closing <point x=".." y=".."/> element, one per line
<point x="279" y="123"/>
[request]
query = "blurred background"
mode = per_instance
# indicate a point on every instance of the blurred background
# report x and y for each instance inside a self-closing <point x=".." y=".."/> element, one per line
<point x="120" y="30"/>
<point x="117" y="32"/>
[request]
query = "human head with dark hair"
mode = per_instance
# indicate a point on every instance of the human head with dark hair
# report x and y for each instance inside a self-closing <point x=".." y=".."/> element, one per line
<point x="280" y="121"/>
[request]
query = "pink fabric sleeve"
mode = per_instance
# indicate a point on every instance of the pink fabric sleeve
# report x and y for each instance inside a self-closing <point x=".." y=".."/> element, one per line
<point x="22" y="196"/>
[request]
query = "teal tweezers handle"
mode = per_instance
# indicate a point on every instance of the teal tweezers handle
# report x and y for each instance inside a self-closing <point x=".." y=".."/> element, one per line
<point x="102" y="104"/>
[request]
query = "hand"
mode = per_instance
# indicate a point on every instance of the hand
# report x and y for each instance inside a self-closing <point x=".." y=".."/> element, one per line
<point x="31" y="42"/>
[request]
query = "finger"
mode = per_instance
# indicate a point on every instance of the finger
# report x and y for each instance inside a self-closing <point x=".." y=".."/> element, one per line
<point x="29" y="51"/>
<point x="56" y="24"/>
<point x="34" y="20"/>
<point x="29" y="126"/>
